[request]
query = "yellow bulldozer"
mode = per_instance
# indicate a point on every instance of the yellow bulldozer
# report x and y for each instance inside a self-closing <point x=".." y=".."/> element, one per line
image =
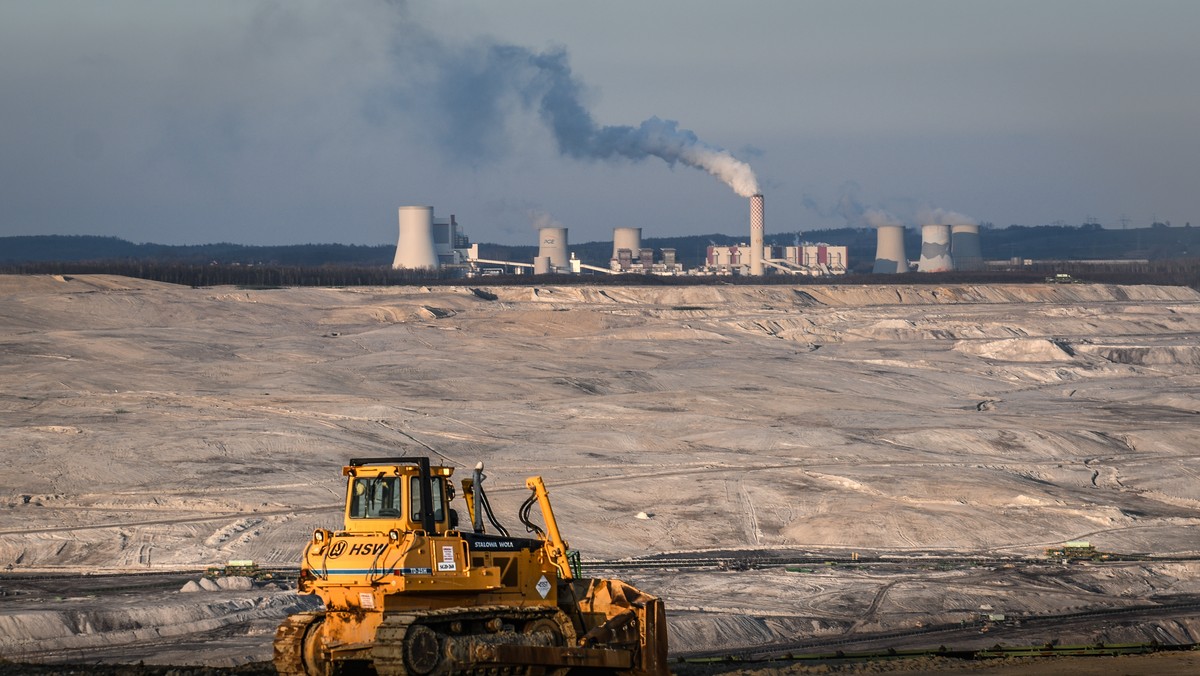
<point x="409" y="591"/>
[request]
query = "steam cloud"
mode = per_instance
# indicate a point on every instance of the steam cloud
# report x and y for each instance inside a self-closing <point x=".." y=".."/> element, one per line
<point x="930" y="216"/>
<point x="482" y="79"/>
<point x="850" y="208"/>
<point x="877" y="218"/>
<point x="540" y="219"/>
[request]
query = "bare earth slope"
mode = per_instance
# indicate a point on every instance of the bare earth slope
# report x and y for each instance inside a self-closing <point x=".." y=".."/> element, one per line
<point x="152" y="426"/>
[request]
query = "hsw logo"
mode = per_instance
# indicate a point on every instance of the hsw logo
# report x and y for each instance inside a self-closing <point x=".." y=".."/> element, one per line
<point x="360" y="549"/>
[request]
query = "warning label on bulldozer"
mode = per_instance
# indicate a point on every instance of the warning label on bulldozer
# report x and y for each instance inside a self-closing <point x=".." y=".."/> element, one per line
<point x="447" y="562"/>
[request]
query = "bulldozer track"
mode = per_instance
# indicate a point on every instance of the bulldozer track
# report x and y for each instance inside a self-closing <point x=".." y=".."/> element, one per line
<point x="289" y="643"/>
<point x="394" y="652"/>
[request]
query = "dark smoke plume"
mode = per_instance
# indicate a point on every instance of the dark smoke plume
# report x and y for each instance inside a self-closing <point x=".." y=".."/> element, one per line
<point x="476" y="85"/>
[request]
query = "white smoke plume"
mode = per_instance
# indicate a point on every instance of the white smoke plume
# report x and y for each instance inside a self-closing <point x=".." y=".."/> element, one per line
<point x="929" y="216"/>
<point x="541" y="219"/>
<point x="857" y="213"/>
<point x="475" y="84"/>
<point x="850" y="208"/>
<point x="877" y="218"/>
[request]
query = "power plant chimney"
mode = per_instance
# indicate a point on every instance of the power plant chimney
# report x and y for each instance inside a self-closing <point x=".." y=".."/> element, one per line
<point x="756" y="235"/>
<point x="414" y="247"/>
<point x="552" y="244"/>
<point x="935" y="249"/>
<point x="965" y="248"/>
<point x="889" y="250"/>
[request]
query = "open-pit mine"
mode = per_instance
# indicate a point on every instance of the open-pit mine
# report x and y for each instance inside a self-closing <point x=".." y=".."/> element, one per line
<point x="796" y="469"/>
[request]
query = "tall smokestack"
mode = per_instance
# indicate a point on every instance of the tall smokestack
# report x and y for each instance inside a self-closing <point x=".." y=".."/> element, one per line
<point x="935" y="249"/>
<point x="889" y="250"/>
<point x="756" y="235"/>
<point x="964" y="247"/>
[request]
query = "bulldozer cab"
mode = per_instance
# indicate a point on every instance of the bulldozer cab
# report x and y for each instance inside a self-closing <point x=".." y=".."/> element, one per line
<point x="407" y="494"/>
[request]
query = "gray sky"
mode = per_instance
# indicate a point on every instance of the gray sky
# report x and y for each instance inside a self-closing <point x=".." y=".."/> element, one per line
<point x="293" y="122"/>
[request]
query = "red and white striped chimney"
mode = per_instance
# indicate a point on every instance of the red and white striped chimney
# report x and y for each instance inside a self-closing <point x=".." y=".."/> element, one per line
<point x="756" y="235"/>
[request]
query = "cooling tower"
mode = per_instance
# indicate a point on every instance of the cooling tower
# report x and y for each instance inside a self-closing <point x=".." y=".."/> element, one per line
<point x="414" y="248"/>
<point x="552" y="243"/>
<point x="964" y="247"/>
<point x="756" y="235"/>
<point x="541" y="265"/>
<point x="889" y="250"/>
<point x="626" y="238"/>
<point x="935" y="249"/>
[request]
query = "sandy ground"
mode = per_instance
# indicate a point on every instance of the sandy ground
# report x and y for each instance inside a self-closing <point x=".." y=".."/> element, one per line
<point x="148" y="426"/>
<point x="1162" y="664"/>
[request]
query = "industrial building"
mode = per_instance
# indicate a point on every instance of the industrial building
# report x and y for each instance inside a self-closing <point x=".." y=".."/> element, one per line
<point x="826" y="258"/>
<point x="428" y="243"/>
<point x="629" y="256"/>
<point x="642" y="261"/>
<point x="753" y="259"/>
<point x="629" y="239"/>
<point x="806" y="259"/>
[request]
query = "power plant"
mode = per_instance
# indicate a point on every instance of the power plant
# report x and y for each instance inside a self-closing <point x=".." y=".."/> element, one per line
<point x="437" y="244"/>
<point x="806" y="258"/>
<point x="626" y="238"/>
<point x="426" y="243"/>
<point x="943" y="248"/>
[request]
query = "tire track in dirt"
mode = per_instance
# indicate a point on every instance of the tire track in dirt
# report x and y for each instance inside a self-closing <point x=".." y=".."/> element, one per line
<point x="747" y="508"/>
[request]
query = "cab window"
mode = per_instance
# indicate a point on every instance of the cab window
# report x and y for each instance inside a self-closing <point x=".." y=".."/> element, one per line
<point x="375" y="498"/>
<point x="439" y="508"/>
